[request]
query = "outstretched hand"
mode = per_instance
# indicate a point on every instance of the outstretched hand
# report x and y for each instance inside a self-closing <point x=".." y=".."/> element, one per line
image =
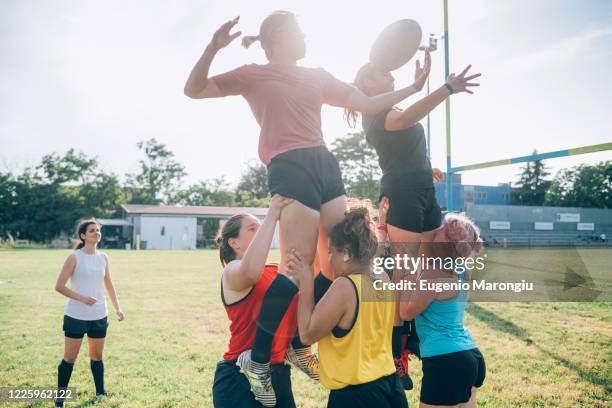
<point x="222" y="36"/>
<point x="461" y="83"/>
<point x="421" y="73"/>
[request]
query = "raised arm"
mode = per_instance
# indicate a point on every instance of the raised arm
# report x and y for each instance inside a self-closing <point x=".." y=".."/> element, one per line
<point x="397" y="120"/>
<point x="62" y="279"/>
<point x="110" y="288"/>
<point x="242" y="274"/>
<point x="198" y="85"/>
<point x="371" y="105"/>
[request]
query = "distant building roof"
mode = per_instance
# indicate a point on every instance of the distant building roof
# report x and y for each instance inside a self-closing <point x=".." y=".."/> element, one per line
<point x="202" y="211"/>
<point x="113" y="222"/>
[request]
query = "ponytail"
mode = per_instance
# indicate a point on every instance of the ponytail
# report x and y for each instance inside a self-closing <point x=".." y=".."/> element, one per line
<point x="364" y="73"/>
<point x="231" y="229"/>
<point x="248" y="40"/>
<point x="271" y="23"/>
<point x="356" y="233"/>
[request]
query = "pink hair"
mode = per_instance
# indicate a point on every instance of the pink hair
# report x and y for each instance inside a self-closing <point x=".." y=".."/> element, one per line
<point x="463" y="233"/>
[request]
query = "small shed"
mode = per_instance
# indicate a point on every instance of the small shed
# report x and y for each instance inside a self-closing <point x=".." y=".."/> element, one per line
<point x="181" y="227"/>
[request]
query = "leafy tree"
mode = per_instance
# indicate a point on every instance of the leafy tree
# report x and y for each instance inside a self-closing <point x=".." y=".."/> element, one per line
<point x="246" y="199"/>
<point x="214" y="192"/>
<point x="46" y="201"/>
<point x="7" y="202"/>
<point x="102" y="195"/>
<point x="160" y="175"/>
<point x="582" y="186"/>
<point x="43" y="210"/>
<point x="68" y="168"/>
<point x="532" y="186"/>
<point x="252" y="189"/>
<point x="359" y="165"/>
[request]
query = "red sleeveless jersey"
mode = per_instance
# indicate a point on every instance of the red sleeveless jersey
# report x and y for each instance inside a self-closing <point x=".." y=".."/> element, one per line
<point x="243" y="316"/>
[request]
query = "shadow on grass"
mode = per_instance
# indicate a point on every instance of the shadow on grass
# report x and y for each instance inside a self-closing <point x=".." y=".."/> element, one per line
<point x="505" y="326"/>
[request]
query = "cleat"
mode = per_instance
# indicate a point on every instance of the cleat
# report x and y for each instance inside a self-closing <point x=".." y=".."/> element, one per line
<point x="305" y="360"/>
<point x="258" y="375"/>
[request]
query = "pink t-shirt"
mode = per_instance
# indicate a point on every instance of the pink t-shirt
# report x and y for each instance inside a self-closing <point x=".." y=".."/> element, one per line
<point x="286" y="101"/>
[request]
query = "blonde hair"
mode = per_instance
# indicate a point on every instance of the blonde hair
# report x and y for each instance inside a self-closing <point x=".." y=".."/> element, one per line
<point x="274" y="20"/>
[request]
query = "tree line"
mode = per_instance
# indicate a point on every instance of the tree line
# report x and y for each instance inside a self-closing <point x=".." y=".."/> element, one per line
<point x="46" y="200"/>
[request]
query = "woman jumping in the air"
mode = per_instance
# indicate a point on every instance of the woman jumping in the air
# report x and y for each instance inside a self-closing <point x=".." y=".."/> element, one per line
<point x="286" y="101"/>
<point x="407" y="179"/>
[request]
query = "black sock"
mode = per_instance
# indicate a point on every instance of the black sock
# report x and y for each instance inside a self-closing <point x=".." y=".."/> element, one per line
<point x="396" y="341"/>
<point x="97" y="369"/>
<point x="64" y="371"/>
<point x="275" y="302"/>
<point x="321" y="284"/>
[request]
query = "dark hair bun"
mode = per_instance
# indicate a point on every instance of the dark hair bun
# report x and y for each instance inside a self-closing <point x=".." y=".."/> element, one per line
<point x="356" y="232"/>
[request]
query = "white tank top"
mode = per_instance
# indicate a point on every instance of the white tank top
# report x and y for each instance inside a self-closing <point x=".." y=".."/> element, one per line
<point x="88" y="280"/>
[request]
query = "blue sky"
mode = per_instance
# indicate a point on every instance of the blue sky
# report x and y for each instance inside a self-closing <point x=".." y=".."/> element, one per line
<point x="100" y="76"/>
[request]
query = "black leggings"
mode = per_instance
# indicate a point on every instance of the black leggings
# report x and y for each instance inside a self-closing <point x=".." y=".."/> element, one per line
<point x="275" y="302"/>
<point x="231" y="388"/>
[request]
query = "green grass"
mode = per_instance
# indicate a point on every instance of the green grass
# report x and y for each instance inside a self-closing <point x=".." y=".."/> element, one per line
<point x="164" y="354"/>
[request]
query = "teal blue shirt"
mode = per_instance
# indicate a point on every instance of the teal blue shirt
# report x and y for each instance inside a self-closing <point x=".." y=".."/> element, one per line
<point x="440" y="326"/>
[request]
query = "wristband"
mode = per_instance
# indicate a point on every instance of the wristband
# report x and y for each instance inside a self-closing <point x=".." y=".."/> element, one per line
<point x="450" y="88"/>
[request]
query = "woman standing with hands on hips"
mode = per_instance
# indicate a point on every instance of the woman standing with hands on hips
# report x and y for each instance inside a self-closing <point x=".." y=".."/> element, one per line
<point x="86" y="311"/>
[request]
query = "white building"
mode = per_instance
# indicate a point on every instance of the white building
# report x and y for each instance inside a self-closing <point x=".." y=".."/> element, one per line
<point x="177" y="227"/>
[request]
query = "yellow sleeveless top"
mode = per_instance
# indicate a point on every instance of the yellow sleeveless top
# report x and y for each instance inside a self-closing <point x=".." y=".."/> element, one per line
<point x="364" y="353"/>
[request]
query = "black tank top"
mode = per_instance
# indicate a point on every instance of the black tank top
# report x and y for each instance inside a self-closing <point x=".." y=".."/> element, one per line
<point x="402" y="154"/>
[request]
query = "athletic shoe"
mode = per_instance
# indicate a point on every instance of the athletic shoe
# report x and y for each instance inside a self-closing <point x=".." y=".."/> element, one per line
<point x="304" y="359"/>
<point x="99" y="397"/>
<point x="259" y="378"/>
<point x="401" y="367"/>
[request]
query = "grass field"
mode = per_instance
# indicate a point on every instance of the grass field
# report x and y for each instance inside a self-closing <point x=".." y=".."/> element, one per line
<point x="164" y="353"/>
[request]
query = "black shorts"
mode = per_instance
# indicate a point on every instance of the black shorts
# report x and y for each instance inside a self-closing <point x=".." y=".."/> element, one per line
<point x="414" y="210"/>
<point x="448" y="378"/>
<point x="231" y="388"/>
<point x="76" y="329"/>
<point x="385" y="392"/>
<point x="310" y="175"/>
